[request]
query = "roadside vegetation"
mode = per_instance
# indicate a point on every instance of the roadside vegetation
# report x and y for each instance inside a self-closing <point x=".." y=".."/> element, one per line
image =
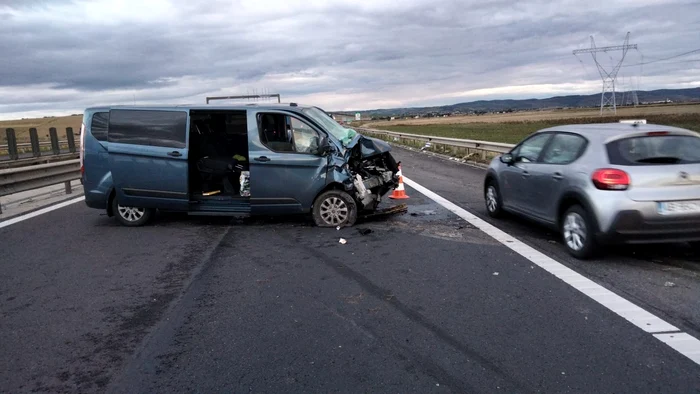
<point x="512" y="132"/>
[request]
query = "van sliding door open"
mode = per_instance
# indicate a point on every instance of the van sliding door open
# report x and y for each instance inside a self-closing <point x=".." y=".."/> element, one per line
<point x="148" y="157"/>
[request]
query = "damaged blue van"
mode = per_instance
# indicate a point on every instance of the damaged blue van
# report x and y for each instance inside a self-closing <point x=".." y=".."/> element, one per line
<point x="230" y="160"/>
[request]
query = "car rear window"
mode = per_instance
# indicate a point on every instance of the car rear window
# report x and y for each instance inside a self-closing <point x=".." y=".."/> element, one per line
<point x="655" y="150"/>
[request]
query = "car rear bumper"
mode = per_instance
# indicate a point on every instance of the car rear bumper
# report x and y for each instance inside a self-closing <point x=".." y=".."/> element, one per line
<point x="632" y="228"/>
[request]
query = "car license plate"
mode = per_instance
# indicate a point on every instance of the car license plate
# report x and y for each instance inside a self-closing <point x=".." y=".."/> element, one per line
<point x="678" y="207"/>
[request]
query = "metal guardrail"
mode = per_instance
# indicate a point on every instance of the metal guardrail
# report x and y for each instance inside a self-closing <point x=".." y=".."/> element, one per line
<point x="29" y="144"/>
<point x="15" y="180"/>
<point x="483" y="150"/>
<point x="13" y="151"/>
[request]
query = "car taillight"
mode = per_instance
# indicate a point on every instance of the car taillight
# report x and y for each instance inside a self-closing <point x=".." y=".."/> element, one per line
<point x="611" y="179"/>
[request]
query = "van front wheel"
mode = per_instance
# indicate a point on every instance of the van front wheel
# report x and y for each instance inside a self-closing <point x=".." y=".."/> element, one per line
<point x="131" y="216"/>
<point x="334" y="208"/>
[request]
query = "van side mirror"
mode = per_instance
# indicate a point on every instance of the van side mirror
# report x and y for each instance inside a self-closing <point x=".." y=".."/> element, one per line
<point x="507" y="158"/>
<point x="325" y="147"/>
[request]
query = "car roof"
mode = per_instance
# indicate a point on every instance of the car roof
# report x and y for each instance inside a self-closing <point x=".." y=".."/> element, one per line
<point x="611" y="131"/>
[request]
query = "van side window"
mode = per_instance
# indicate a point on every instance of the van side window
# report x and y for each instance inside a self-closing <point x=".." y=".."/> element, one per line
<point x="284" y="133"/>
<point x="154" y="128"/>
<point x="98" y="127"/>
<point x="306" y="139"/>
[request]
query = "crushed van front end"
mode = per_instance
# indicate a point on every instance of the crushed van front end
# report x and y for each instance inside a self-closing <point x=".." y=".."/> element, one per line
<point x="373" y="171"/>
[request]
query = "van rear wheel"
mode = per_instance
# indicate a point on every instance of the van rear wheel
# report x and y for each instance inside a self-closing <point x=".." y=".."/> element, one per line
<point x="334" y="208"/>
<point x="131" y="216"/>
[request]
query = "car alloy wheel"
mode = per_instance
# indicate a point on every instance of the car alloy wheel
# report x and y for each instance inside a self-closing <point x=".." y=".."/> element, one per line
<point x="491" y="199"/>
<point x="575" y="231"/>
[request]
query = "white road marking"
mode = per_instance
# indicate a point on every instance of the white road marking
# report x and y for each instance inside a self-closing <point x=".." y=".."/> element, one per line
<point x="681" y="342"/>
<point x="42" y="211"/>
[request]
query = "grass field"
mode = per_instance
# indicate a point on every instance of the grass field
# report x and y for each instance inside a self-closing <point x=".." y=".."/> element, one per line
<point x="42" y="126"/>
<point x="511" y="128"/>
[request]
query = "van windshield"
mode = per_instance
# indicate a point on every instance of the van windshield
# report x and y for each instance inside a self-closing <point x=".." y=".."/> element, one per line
<point x="330" y="125"/>
<point x="655" y="150"/>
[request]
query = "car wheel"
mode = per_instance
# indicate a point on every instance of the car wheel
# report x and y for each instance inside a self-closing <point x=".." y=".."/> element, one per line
<point x="578" y="233"/>
<point x="492" y="197"/>
<point x="334" y="208"/>
<point x="131" y="216"/>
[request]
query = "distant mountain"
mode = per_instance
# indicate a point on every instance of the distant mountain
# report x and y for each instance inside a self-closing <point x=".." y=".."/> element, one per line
<point x="576" y="101"/>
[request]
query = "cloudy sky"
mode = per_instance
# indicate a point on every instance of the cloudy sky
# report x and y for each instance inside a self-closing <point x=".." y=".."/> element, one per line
<point x="60" y="56"/>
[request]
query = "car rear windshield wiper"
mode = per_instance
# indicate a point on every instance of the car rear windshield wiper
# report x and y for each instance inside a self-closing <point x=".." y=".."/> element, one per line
<point x="661" y="160"/>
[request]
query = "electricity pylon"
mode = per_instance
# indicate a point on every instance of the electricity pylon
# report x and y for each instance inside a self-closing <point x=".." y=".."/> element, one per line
<point x="607" y="98"/>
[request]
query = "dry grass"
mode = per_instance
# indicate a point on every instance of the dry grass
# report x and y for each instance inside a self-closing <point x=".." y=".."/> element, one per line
<point x="623" y="112"/>
<point x="42" y="125"/>
<point x="511" y="128"/>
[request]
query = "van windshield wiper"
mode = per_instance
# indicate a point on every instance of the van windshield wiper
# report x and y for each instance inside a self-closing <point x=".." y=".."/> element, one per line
<point x="661" y="160"/>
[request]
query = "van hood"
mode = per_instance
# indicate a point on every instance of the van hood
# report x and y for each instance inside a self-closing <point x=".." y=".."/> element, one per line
<point x="368" y="146"/>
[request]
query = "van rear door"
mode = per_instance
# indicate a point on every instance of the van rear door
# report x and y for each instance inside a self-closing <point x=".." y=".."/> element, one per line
<point x="148" y="157"/>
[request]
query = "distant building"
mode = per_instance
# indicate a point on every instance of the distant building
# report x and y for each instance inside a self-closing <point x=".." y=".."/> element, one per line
<point x="343" y="118"/>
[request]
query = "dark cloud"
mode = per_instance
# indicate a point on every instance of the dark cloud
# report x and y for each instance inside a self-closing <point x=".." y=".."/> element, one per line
<point x="431" y="47"/>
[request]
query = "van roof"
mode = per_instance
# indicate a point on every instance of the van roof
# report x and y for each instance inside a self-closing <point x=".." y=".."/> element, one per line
<point x="263" y="106"/>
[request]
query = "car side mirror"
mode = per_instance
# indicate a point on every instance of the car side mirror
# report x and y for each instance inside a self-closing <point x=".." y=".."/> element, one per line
<point x="507" y="159"/>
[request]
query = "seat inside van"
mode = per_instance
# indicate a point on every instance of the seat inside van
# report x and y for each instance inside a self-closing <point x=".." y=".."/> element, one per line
<point x="218" y="153"/>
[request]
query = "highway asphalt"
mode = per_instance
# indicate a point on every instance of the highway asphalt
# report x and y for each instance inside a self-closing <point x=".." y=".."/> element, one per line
<point x="425" y="302"/>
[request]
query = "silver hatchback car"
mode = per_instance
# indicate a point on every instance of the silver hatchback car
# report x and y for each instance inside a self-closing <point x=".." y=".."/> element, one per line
<point x="603" y="183"/>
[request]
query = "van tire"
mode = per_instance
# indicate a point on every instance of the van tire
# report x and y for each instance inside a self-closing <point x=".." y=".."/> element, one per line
<point x="131" y="216"/>
<point x="334" y="208"/>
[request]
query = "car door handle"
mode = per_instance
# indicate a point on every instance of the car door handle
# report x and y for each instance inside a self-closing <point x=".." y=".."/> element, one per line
<point x="558" y="176"/>
<point x="526" y="174"/>
<point x="262" y="158"/>
<point x="174" y="153"/>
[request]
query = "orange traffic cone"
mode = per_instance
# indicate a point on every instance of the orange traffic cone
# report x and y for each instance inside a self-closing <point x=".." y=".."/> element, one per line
<point x="399" y="193"/>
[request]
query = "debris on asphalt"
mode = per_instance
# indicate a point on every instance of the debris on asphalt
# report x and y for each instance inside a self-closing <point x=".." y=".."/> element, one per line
<point x="495" y="274"/>
<point x="669" y="284"/>
<point x="337" y="228"/>
<point x="343" y="241"/>
<point x="429" y="212"/>
<point x="364" y="231"/>
<point x="401" y="208"/>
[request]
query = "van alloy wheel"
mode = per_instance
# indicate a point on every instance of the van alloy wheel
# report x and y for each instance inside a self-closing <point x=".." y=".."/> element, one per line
<point x="334" y="208"/>
<point x="130" y="214"/>
<point x="334" y="211"/>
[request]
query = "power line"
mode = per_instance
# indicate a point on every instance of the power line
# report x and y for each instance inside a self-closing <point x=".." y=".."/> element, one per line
<point x="607" y="98"/>
<point x="664" y="59"/>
